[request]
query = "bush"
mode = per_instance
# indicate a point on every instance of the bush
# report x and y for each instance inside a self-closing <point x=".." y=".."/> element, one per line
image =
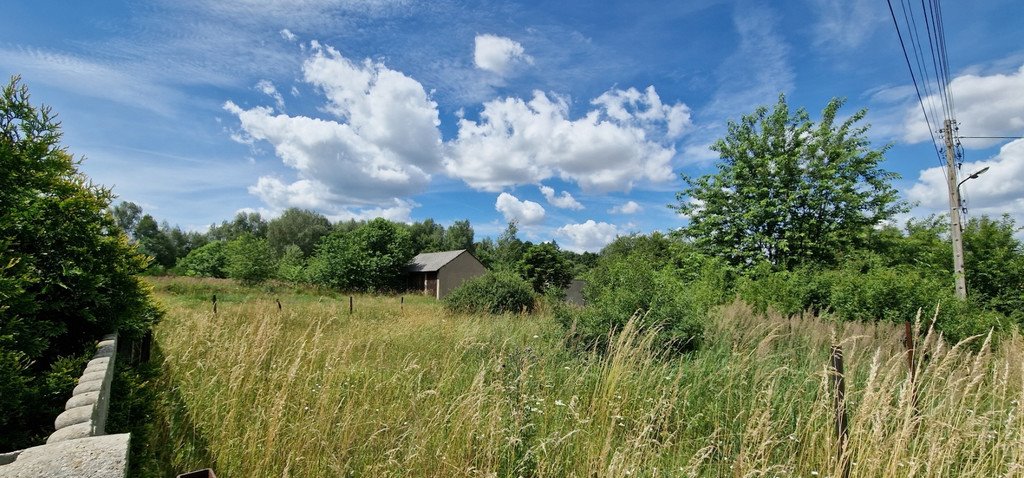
<point x="620" y="287"/>
<point x="864" y="288"/>
<point x="493" y="293"/>
<point x="370" y="258"/>
<point x="209" y="260"/>
<point x="292" y="266"/>
<point x="249" y="259"/>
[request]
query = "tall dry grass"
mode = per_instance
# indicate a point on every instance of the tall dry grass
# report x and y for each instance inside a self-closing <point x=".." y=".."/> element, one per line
<point x="312" y="391"/>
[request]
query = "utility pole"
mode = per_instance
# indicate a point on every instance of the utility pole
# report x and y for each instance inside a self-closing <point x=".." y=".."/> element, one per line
<point x="954" y="212"/>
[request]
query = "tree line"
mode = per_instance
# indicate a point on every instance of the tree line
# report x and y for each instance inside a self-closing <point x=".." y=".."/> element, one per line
<point x="303" y="246"/>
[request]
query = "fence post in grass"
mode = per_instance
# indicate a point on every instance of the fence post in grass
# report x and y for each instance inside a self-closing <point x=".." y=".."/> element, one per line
<point x="350" y="306"/>
<point x="401" y="303"/>
<point x="214" y="304"/>
<point x="839" y="395"/>
<point x="278" y="304"/>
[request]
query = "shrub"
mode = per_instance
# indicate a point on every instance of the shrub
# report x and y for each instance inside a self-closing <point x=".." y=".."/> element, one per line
<point x="370" y="258"/>
<point x="620" y="287"/>
<point x="292" y="266"/>
<point x="249" y="259"/>
<point x="493" y="293"/>
<point x="209" y="260"/>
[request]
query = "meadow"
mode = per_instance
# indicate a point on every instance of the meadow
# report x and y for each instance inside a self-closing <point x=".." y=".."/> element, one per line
<point x="410" y="389"/>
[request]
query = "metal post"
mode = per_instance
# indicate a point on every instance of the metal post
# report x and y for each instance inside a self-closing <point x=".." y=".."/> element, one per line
<point x="956" y="231"/>
<point x="350" y="306"/>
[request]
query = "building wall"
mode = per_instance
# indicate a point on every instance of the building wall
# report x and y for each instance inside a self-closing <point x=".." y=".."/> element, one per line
<point x="454" y="273"/>
<point x="574" y="294"/>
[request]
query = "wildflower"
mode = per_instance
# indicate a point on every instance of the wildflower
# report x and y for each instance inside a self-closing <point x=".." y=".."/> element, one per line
<point x="559" y="403"/>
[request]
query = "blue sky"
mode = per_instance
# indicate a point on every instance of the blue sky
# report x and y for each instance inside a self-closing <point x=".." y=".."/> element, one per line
<point x="574" y="118"/>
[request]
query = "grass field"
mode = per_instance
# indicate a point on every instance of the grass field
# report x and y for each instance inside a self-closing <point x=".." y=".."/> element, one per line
<point x="312" y="391"/>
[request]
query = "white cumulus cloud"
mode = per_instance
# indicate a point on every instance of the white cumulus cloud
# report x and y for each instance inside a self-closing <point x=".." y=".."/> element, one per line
<point x="499" y="54"/>
<point x="524" y="212"/>
<point x="564" y="201"/>
<point x="630" y="207"/>
<point x="589" y="236"/>
<point x="991" y="105"/>
<point x="287" y="34"/>
<point x="999" y="191"/>
<point x="623" y="140"/>
<point x="381" y="144"/>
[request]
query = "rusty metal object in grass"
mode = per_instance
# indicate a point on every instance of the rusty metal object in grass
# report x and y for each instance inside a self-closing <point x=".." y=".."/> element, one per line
<point x="350" y="305"/>
<point x="214" y="304"/>
<point x="839" y="395"/>
<point x="278" y="304"/>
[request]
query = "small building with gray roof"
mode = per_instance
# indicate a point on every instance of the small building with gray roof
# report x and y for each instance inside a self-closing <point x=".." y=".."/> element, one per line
<point x="438" y="273"/>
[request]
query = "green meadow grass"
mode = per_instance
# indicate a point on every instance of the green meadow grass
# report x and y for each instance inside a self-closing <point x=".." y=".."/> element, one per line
<point x="312" y="391"/>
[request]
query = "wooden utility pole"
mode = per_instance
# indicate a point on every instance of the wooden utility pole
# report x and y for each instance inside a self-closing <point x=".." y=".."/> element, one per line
<point x="954" y="212"/>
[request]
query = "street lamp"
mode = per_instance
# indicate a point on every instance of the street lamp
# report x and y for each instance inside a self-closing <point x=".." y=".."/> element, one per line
<point x="968" y="178"/>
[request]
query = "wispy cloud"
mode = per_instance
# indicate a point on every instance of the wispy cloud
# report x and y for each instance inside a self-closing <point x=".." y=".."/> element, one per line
<point x="93" y="78"/>
<point x="846" y="24"/>
<point x="753" y="75"/>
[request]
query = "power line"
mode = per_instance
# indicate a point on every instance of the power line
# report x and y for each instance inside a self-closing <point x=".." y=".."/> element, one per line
<point x="991" y="137"/>
<point x="913" y="77"/>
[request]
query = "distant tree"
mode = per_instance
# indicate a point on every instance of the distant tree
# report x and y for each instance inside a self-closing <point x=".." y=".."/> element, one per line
<point x="544" y="267"/>
<point x="486" y="251"/>
<point x="459" y="236"/>
<point x="292" y="265"/>
<point x="509" y="248"/>
<point x="127" y="216"/>
<point x="249" y="259"/>
<point x="371" y="258"/>
<point x="789" y="191"/>
<point x="994" y="264"/>
<point x="68" y="274"/>
<point x="581" y="262"/>
<point x="427" y="236"/>
<point x="345" y="227"/>
<point x="251" y="223"/>
<point x="209" y="260"/>
<point x="654" y="247"/>
<point x="299" y="227"/>
<point x="154" y="242"/>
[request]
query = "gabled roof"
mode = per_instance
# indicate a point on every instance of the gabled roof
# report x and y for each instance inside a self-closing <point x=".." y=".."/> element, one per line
<point x="432" y="261"/>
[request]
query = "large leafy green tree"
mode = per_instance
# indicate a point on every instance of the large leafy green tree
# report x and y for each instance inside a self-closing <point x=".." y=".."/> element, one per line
<point x="459" y="236"/>
<point x="790" y="191"/>
<point x="249" y="259"/>
<point x="299" y="227"/>
<point x="544" y="267"/>
<point x="427" y="236"/>
<point x="67" y="271"/>
<point x="370" y="258"/>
